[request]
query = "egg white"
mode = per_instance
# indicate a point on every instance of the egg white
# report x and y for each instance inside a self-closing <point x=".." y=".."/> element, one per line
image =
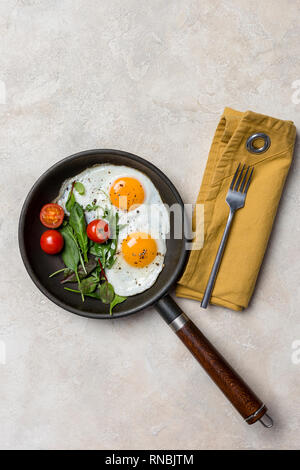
<point x="151" y="217"/>
<point x="128" y="280"/>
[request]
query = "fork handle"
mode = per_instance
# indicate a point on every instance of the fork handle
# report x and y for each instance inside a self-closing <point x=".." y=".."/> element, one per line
<point x="215" y="268"/>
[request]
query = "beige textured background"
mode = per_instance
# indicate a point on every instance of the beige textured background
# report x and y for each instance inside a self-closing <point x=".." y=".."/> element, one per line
<point x="150" y="77"/>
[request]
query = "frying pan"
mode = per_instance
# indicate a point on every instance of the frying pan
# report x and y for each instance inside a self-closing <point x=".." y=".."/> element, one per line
<point x="39" y="265"/>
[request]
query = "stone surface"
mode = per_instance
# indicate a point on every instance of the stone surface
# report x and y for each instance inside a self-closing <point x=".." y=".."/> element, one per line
<point x="151" y="78"/>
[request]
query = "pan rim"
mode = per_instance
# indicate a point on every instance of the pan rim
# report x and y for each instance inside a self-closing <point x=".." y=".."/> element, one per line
<point x="163" y="291"/>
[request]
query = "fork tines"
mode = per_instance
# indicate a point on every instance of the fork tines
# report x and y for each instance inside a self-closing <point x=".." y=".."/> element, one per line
<point x="236" y="184"/>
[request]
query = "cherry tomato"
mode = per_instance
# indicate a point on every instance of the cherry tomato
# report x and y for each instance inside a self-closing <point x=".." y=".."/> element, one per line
<point x="52" y="215"/>
<point x="98" y="231"/>
<point x="52" y="242"/>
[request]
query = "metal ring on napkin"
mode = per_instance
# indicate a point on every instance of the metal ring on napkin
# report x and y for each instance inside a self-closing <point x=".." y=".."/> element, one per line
<point x="259" y="135"/>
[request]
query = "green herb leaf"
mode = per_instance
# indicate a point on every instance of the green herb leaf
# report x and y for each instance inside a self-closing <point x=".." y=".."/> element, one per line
<point x="70" y="254"/>
<point x="77" y="222"/>
<point x="89" y="267"/>
<point x="64" y="270"/>
<point x="97" y="294"/>
<point x="111" y="258"/>
<point x="107" y="251"/>
<point x="107" y="292"/>
<point x="71" y="201"/>
<point x="100" y="250"/>
<point x="91" y="207"/>
<point x="118" y="299"/>
<point x="96" y="276"/>
<point x="113" y="220"/>
<point x="88" y="285"/>
<point x="79" y="187"/>
<point x="72" y="290"/>
<point x="94" y="295"/>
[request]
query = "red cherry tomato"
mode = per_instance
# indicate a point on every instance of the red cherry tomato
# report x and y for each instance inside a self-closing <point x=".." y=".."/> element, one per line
<point x="52" y="242"/>
<point x="52" y="215"/>
<point x="98" y="231"/>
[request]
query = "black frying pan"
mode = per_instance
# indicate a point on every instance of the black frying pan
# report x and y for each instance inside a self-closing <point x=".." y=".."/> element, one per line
<point x="39" y="265"/>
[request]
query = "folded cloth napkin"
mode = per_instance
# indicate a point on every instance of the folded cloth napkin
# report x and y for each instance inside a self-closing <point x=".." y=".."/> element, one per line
<point x="251" y="228"/>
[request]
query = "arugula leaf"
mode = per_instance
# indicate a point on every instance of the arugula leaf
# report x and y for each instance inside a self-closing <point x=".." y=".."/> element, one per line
<point x="94" y="295"/>
<point x="110" y="258"/>
<point x="79" y="187"/>
<point x="70" y="202"/>
<point x="64" y="270"/>
<point x="106" y="292"/>
<point x="100" y="251"/>
<point x="72" y="290"/>
<point x="89" y="267"/>
<point x="71" y="253"/>
<point x="118" y="299"/>
<point x="113" y="221"/>
<point x="106" y="251"/>
<point x="71" y="198"/>
<point x="77" y="222"/>
<point x="95" y="274"/>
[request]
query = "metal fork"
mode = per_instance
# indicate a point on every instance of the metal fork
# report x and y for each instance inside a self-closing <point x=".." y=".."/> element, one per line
<point x="236" y="200"/>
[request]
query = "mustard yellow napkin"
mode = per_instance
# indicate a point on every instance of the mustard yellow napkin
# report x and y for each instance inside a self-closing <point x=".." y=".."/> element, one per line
<point x="251" y="228"/>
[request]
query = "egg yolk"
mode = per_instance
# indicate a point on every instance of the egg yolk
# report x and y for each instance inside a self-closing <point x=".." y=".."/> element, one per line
<point x="127" y="192"/>
<point x="139" y="249"/>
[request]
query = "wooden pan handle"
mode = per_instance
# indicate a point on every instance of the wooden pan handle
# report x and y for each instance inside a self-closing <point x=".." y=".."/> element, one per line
<point x="232" y="385"/>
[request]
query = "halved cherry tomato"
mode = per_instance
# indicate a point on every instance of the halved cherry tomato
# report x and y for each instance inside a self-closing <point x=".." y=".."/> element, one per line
<point x="52" y="242"/>
<point x="52" y="215"/>
<point x="98" y="231"/>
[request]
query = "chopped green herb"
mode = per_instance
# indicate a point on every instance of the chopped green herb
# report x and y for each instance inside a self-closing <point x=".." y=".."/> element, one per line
<point x="79" y="188"/>
<point x="91" y="207"/>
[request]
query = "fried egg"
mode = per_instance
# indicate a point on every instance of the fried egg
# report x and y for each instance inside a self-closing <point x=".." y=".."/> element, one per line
<point x="143" y="220"/>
